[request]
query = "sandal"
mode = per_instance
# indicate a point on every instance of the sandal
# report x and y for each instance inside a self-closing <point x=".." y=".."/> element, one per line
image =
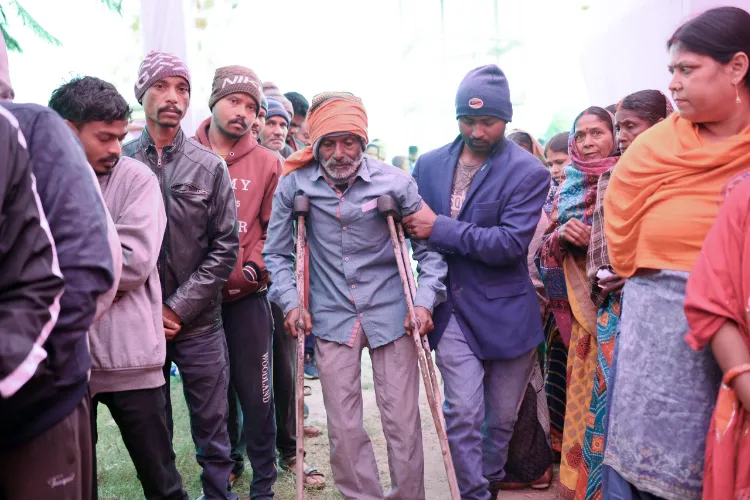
<point x="312" y="432"/>
<point x="288" y="465"/>
<point x="233" y="478"/>
<point x="235" y="475"/>
<point x="543" y="482"/>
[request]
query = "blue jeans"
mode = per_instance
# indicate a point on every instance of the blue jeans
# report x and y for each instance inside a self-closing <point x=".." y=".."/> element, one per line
<point x="481" y="407"/>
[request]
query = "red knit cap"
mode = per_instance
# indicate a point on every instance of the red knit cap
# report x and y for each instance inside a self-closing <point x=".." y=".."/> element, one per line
<point x="157" y="65"/>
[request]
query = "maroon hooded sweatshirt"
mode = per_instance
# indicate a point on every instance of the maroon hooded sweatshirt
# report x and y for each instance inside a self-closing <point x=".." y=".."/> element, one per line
<point x="254" y="171"/>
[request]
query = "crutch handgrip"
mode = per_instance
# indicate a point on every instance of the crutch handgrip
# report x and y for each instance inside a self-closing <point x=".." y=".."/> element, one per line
<point x="301" y="205"/>
<point x="387" y="206"/>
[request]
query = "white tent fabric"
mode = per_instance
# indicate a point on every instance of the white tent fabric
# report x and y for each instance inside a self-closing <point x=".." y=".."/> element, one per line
<point x="163" y="28"/>
<point x="628" y="53"/>
<point x="625" y="52"/>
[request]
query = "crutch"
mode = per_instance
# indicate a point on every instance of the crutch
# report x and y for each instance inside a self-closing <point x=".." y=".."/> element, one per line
<point x="388" y="208"/>
<point x="301" y="211"/>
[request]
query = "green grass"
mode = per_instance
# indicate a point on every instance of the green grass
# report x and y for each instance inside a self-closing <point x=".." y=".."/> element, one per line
<point x="117" y="476"/>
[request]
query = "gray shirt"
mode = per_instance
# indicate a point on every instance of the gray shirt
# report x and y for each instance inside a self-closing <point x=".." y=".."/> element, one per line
<point x="354" y="281"/>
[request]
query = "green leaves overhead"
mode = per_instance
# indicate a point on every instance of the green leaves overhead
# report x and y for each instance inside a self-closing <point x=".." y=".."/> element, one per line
<point x="14" y="7"/>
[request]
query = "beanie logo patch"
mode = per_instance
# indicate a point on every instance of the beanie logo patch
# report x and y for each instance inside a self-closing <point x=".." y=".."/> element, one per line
<point x="476" y="103"/>
<point x="238" y="79"/>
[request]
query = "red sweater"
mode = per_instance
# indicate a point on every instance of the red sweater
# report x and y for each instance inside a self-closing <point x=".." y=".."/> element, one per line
<point x="254" y="171"/>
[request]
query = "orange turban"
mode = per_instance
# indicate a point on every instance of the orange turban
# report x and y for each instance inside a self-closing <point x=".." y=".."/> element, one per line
<point x="330" y="113"/>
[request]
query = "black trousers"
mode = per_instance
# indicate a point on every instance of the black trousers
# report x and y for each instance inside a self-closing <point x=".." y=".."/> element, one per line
<point x="142" y="419"/>
<point x="249" y="331"/>
<point x="284" y="369"/>
<point x="203" y="362"/>
<point x="236" y="434"/>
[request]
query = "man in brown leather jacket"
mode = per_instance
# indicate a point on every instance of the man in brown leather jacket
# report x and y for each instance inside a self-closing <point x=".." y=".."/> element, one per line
<point x="197" y="256"/>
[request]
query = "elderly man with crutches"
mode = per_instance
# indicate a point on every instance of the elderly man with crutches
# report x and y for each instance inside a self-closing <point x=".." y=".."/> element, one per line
<point x="356" y="297"/>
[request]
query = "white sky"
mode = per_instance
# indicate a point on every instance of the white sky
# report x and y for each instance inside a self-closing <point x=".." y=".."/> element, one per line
<point x="392" y="53"/>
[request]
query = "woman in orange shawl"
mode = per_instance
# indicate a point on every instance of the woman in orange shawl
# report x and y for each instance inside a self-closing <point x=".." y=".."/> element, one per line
<point x="660" y="204"/>
<point x="718" y="312"/>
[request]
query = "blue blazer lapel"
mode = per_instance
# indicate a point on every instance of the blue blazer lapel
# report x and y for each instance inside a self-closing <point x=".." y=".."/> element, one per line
<point x="447" y="172"/>
<point x="478" y="179"/>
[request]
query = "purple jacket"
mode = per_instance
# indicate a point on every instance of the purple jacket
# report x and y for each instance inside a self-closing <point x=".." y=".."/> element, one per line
<point x="486" y="247"/>
<point x="127" y="343"/>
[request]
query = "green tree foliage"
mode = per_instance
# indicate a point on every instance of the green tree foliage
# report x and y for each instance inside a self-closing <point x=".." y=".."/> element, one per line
<point x="562" y="121"/>
<point x="15" y="9"/>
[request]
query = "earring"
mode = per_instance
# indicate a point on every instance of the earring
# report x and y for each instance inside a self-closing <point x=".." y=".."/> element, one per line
<point x="737" y="92"/>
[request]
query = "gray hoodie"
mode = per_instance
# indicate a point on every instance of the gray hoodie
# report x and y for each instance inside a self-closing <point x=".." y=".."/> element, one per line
<point x="128" y="346"/>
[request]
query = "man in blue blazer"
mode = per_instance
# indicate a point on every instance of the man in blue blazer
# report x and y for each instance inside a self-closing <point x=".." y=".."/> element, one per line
<point x="487" y="194"/>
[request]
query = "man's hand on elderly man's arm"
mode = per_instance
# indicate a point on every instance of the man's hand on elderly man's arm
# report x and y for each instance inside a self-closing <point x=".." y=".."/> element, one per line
<point x="419" y="224"/>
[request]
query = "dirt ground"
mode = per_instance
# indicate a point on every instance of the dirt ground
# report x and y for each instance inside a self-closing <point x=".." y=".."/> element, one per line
<point x="435" y="480"/>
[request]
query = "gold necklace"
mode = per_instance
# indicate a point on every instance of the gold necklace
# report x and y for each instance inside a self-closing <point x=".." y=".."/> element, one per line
<point x="224" y="155"/>
<point x="469" y="166"/>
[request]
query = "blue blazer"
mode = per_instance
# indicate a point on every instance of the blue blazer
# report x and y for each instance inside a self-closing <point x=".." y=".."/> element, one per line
<point x="489" y="289"/>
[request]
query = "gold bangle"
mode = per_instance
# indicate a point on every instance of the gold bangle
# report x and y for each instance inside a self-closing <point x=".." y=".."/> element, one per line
<point x="735" y="372"/>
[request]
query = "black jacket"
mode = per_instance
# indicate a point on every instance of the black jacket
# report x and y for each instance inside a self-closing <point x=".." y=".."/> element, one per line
<point x="77" y="221"/>
<point x="30" y="280"/>
<point x="200" y="243"/>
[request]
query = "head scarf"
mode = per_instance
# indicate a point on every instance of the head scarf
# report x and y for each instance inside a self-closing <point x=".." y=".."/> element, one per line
<point x="665" y="195"/>
<point x="536" y="149"/>
<point x="576" y="200"/>
<point x="581" y="177"/>
<point x="330" y="113"/>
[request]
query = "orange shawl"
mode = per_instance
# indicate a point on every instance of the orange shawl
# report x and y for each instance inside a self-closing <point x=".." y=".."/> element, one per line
<point x="330" y="113"/>
<point x="719" y="291"/>
<point x="665" y="194"/>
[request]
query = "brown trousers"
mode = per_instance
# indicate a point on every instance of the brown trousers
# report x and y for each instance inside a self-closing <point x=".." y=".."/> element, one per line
<point x="396" y="376"/>
<point x="55" y="465"/>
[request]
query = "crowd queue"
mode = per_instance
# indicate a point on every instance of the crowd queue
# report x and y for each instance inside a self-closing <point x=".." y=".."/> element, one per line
<point x="588" y="300"/>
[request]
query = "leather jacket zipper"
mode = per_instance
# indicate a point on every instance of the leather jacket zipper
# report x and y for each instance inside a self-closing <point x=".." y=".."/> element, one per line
<point x="162" y="267"/>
